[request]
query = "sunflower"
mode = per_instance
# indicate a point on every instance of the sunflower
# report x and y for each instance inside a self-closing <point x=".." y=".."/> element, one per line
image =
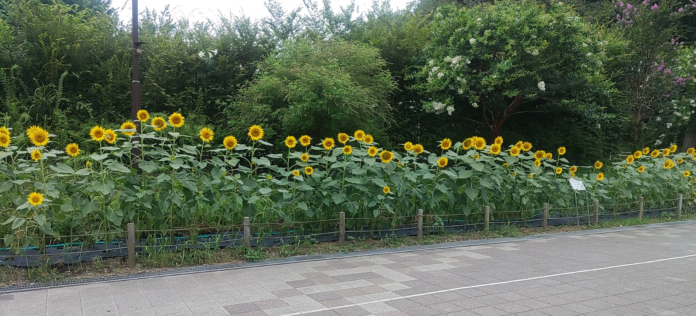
<point x="572" y="174"/>
<point x="386" y="190"/>
<point x="308" y="170"/>
<point x="97" y="133"/>
<point x="561" y="151"/>
<point x="159" y="123"/>
<point x="408" y="146"/>
<point x="600" y="176"/>
<point x="495" y="149"/>
<point x="386" y="156"/>
<point x="539" y="154"/>
<point x="230" y="142"/>
<point x="666" y="152"/>
<point x="88" y="165"/>
<point x="680" y="161"/>
<point x="531" y="175"/>
<point x="514" y="151"/>
<point x="304" y="157"/>
<point x="527" y="146"/>
<point x="673" y="148"/>
<point x="514" y="174"/>
<point x="35" y="199"/>
<point x="328" y="143"/>
<point x="694" y="156"/>
<point x="72" y="150"/>
<point x="519" y="144"/>
<point x="296" y="173"/>
<point x="637" y="154"/>
<point x="498" y="140"/>
<point x="347" y="150"/>
<point x="686" y="173"/>
<point x="505" y="164"/>
<point x="368" y="139"/>
<point x="646" y="150"/>
<point x="39" y="137"/>
<point x="669" y="164"/>
<point x="690" y="151"/>
<point x="372" y="151"/>
<point x="206" y="134"/>
<point x="305" y="140"/>
<point x="446" y="144"/>
<point x="630" y="159"/>
<point x="290" y="142"/>
<point x="143" y="116"/>
<point x="559" y="170"/>
<point x="110" y="136"/>
<point x="343" y="138"/>
<point x="641" y="169"/>
<point x="537" y="163"/>
<point x="5" y="140"/>
<point x="549" y="155"/>
<point x="176" y="120"/>
<point x="36" y="155"/>
<point x="4" y="130"/>
<point x="255" y="132"/>
<point x="573" y="169"/>
<point x="598" y="164"/>
<point x="467" y="143"/>
<point x="442" y="162"/>
<point x="480" y="143"/>
<point x="128" y="125"/>
<point x="655" y="153"/>
<point x="417" y="149"/>
<point x="477" y="157"/>
<point x="359" y="135"/>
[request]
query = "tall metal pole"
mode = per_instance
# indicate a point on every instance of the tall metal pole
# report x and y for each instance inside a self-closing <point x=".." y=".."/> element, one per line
<point x="135" y="83"/>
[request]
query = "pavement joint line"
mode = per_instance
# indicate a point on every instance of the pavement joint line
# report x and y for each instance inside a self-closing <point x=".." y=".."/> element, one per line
<point x="302" y="259"/>
<point x="490" y="284"/>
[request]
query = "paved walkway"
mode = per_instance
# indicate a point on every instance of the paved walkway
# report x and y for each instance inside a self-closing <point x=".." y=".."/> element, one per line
<point x="646" y="271"/>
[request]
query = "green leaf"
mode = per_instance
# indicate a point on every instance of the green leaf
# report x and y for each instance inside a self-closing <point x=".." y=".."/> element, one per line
<point x="40" y="219"/>
<point x="471" y="193"/>
<point x="148" y="166"/>
<point x="264" y="143"/>
<point x="477" y="166"/>
<point x="465" y="174"/>
<point x="18" y="222"/>
<point x="5" y="186"/>
<point x="88" y="208"/>
<point x="265" y="191"/>
<point x="98" y="157"/>
<point x="263" y="161"/>
<point x="118" y="167"/>
<point x="338" y="198"/>
<point x="379" y="182"/>
<point x="62" y="168"/>
<point x="303" y="206"/>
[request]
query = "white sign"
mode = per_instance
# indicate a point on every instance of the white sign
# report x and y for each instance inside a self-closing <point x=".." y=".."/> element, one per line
<point x="576" y="184"/>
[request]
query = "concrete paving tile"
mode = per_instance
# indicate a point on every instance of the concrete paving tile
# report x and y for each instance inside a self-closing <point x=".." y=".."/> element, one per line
<point x="212" y="311"/>
<point x="139" y="312"/>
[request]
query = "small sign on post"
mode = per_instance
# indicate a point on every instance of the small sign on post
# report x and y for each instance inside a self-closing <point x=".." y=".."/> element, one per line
<point x="577" y="185"/>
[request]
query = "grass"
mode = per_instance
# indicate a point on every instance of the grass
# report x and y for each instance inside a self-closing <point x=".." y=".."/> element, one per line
<point x="193" y="257"/>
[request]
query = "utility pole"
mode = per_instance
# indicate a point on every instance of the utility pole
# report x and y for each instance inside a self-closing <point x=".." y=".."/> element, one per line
<point x="135" y="83"/>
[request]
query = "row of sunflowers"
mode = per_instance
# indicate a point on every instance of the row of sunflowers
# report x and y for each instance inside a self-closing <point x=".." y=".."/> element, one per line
<point x="155" y="180"/>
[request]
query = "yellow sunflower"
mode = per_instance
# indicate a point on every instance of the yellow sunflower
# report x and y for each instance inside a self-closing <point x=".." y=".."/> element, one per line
<point x="600" y="176"/>
<point x="206" y="134"/>
<point x="561" y="151"/>
<point x="527" y="146"/>
<point x="110" y="136"/>
<point x="359" y="135"/>
<point x="4" y="130"/>
<point x="176" y="120"/>
<point x="514" y="151"/>
<point x="386" y="156"/>
<point x="296" y="173"/>
<point x="559" y="170"/>
<point x="655" y="153"/>
<point x="417" y="149"/>
<point x="128" y="125"/>
<point x="159" y="123"/>
<point x="467" y="143"/>
<point x="690" y="151"/>
<point x="88" y="165"/>
<point x="35" y="199"/>
<point x="686" y="173"/>
<point x="290" y="142"/>
<point x="5" y="140"/>
<point x="368" y="139"/>
<point x="386" y="190"/>
<point x="673" y="148"/>
<point x="143" y="116"/>
<point x="446" y="144"/>
<point x="637" y="154"/>
<point x="304" y="157"/>
<point x="230" y="142"/>
<point x="308" y="170"/>
<point x="630" y="159"/>
<point x="646" y="150"/>
<point x="480" y="143"/>
<point x="347" y="150"/>
<point x="372" y="151"/>
<point x="598" y="164"/>
<point x="305" y="140"/>
<point x="39" y="137"/>
<point x="537" y="163"/>
<point x="666" y="152"/>
<point x="694" y="156"/>
<point x="549" y="155"/>
<point x="36" y="155"/>
<point x="680" y="161"/>
<point x="495" y="149"/>
<point x="573" y="169"/>
<point x="514" y="174"/>
<point x="531" y="175"/>
<point x="408" y="146"/>
<point x="641" y="169"/>
<point x="343" y="138"/>
<point x="539" y="154"/>
<point x="669" y="164"/>
<point x="255" y="132"/>
<point x="477" y="157"/>
<point x="442" y="162"/>
<point x="97" y="133"/>
<point x="519" y="144"/>
<point x="505" y="165"/>
<point x="498" y="140"/>
<point x="328" y="143"/>
<point x="72" y="150"/>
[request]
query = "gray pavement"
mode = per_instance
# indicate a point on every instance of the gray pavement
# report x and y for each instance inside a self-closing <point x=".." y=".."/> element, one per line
<point x="645" y="271"/>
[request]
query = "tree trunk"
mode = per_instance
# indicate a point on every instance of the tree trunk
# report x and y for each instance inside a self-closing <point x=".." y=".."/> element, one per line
<point x="689" y="141"/>
<point x="498" y="119"/>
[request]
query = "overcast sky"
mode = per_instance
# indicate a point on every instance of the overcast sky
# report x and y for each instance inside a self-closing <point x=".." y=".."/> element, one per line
<point x="196" y="9"/>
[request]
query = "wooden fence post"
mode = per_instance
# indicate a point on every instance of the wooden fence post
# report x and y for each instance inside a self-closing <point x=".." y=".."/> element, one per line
<point x="420" y="225"/>
<point x="130" y="241"/>
<point x="640" y="209"/>
<point x="487" y="217"/>
<point x="679" y="207"/>
<point x="545" y="221"/>
<point x="247" y="233"/>
<point x="595" y="220"/>
<point x="342" y="228"/>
